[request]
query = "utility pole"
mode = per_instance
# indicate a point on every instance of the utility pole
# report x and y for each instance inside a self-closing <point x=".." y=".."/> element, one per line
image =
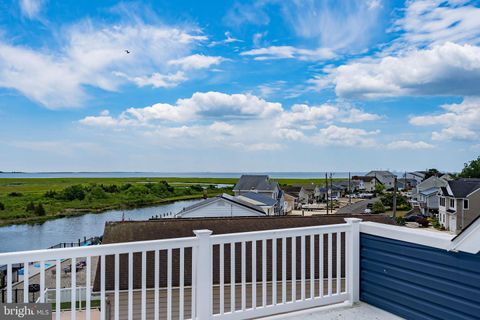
<point x="394" y="202"/>
<point x="349" y="189"/>
<point x="326" y="190"/>
<point x="331" y="191"/>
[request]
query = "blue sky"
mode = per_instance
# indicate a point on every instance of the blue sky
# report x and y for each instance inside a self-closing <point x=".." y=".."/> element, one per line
<point x="239" y="86"/>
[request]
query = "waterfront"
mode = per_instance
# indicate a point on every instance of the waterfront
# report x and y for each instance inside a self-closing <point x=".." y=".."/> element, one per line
<point x="70" y="229"/>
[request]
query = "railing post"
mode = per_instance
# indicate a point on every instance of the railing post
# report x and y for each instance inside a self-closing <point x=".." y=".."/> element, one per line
<point x="353" y="258"/>
<point x="204" y="268"/>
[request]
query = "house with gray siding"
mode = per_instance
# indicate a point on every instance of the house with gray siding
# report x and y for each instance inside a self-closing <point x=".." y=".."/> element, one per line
<point x="385" y="177"/>
<point x="261" y="184"/>
<point x="459" y="204"/>
<point x="425" y="196"/>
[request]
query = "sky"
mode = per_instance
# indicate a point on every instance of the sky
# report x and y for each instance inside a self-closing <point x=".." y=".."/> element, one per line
<point x="237" y="86"/>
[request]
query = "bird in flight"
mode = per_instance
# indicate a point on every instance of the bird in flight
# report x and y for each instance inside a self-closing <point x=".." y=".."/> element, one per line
<point x="127" y="52"/>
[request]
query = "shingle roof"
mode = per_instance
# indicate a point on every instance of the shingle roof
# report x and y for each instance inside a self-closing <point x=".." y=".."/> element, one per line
<point x="463" y="187"/>
<point x="364" y="178"/>
<point x="131" y="231"/>
<point x="226" y="197"/>
<point x="260" y="198"/>
<point x="255" y="182"/>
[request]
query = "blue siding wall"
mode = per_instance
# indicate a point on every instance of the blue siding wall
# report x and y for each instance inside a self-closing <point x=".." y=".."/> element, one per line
<point x="419" y="282"/>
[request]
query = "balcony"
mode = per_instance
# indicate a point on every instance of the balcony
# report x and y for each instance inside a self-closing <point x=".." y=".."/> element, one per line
<point x="312" y="271"/>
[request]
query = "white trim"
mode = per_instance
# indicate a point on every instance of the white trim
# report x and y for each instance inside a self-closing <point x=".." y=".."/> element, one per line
<point x="476" y="190"/>
<point x="468" y="240"/>
<point x="418" y="236"/>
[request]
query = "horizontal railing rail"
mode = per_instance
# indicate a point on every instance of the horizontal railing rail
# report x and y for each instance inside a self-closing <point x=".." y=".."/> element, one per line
<point x="227" y="276"/>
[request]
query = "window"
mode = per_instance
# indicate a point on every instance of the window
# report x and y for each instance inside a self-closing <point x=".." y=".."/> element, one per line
<point x="442" y="202"/>
<point x="452" y="203"/>
<point x="465" y="204"/>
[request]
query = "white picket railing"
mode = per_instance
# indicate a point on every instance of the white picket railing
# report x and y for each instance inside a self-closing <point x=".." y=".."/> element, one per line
<point x="228" y="276"/>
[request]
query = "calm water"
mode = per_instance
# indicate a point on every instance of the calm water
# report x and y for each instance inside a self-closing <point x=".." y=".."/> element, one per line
<point x="40" y="236"/>
<point x="283" y="175"/>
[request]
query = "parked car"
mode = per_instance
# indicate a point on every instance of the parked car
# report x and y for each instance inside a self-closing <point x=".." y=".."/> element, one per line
<point x="334" y="198"/>
<point x="367" y="211"/>
<point x="414" y="218"/>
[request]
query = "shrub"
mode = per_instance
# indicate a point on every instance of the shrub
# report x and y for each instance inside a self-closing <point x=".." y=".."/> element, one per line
<point x="30" y="206"/>
<point x="40" y="210"/>
<point x="402" y="201"/>
<point x="112" y="188"/>
<point x="378" y="207"/>
<point x="15" y="194"/>
<point x="125" y="186"/>
<point x="2" y="206"/>
<point x="50" y="194"/>
<point x="96" y="192"/>
<point x="423" y="222"/>
<point x="400" y="221"/>
<point x="138" y="191"/>
<point x="75" y="192"/>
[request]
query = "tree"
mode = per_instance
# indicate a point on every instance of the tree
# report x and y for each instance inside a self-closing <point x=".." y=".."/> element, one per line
<point x="431" y="172"/>
<point x="378" y="207"/>
<point x="2" y="206"/>
<point x="402" y="201"/>
<point x="379" y="188"/>
<point x="40" y="210"/>
<point x="471" y="169"/>
<point x="96" y="192"/>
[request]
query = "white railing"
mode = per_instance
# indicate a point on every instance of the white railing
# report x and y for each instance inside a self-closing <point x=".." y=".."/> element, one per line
<point x="228" y="276"/>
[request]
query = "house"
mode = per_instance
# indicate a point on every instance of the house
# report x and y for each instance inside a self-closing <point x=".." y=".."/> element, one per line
<point x="385" y="177"/>
<point x="222" y="206"/>
<point x="257" y="199"/>
<point x="292" y="197"/>
<point x="366" y="183"/>
<point x="459" y="204"/>
<point x="418" y="176"/>
<point x="321" y="192"/>
<point x="406" y="184"/>
<point x="307" y="194"/>
<point x="260" y="184"/>
<point x="425" y="196"/>
<point x="352" y="185"/>
<point x="291" y="203"/>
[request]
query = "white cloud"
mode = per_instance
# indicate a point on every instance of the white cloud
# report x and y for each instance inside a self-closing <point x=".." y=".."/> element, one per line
<point x="240" y="120"/>
<point x="289" y="52"/>
<point x="157" y="80"/>
<point x="213" y="105"/>
<point x="428" y="22"/>
<point x="339" y="25"/>
<point x="93" y="55"/>
<point x="31" y="8"/>
<point x="196" y="61"/>
<point x="405" y="144"/>
<point x="307" y="117"/>
<point x="345" y="137"/>
<point x="459" y="121"/>
<point x="448" y="69"/>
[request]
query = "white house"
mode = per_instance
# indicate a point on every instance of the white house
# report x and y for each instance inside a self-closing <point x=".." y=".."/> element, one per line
<point x="221" y="206"/>
<point x="366" y="183"/>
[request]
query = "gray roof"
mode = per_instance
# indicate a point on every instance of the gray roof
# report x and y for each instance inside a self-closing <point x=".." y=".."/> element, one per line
<point x="430" y="191"/>
<point x="462" y="188"/>
<point x="255" y="182"/>
<point x="226" y="197"/>
<point x="364" y="178"/>
<point x="260" y="198"/>
<point x="380" y="173"/>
